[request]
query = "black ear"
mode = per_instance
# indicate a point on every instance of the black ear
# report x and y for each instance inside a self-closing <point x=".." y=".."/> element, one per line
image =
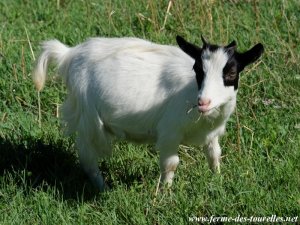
<point x="250" y="56"/>
<point x="188" y="48"/>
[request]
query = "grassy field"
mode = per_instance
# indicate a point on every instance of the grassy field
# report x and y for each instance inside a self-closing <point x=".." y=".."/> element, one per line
<point x="41" y="181"/>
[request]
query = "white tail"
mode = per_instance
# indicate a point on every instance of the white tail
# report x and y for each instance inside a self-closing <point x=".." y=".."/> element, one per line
<point x="52" y="50"/>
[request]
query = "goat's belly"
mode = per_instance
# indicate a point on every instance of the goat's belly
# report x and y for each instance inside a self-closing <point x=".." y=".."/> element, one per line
<point x="148" y="137"/>
<point x="138" y="136"/>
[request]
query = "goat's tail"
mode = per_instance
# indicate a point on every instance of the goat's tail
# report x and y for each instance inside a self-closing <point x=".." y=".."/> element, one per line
<point x="51" y="51"/>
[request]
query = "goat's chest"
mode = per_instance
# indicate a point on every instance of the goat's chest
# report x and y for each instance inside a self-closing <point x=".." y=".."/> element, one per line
<point x="201" y="132"/>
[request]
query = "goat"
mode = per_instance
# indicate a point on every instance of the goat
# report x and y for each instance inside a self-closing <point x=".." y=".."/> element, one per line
<point x="133" y="89"/>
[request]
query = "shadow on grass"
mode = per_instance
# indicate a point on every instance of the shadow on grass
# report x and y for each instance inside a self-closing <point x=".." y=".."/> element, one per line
<point x="51" y="164"/>
<point x="57" y="166"/>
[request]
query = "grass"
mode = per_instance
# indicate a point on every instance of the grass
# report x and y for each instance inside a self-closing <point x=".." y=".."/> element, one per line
<point x="41" y="181"/>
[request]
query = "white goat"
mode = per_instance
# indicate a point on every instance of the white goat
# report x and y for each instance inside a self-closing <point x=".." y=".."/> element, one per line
<point x="136" y="90"/>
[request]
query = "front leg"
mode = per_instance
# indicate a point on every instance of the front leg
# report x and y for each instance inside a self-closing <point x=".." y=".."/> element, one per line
<point x="213" y="154"/>
<point x="168" y="161"/>
<point x="168" y="165"/>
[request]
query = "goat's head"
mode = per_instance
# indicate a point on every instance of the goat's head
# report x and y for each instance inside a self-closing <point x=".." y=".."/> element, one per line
<point x="217" y="71"/>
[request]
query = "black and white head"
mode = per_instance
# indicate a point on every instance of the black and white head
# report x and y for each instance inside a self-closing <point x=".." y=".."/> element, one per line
<point x="217" y="71"/>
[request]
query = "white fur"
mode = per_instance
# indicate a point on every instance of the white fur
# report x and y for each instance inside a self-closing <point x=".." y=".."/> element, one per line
<point x="136" y="90"/>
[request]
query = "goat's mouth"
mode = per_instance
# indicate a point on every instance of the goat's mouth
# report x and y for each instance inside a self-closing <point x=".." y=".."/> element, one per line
<point x="206" y="111"/>
<point x="203" y="108"/>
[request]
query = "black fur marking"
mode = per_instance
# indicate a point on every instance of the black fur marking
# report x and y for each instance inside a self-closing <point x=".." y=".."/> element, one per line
<point x="237" y="62"/>
<point x="212" y="48"/>
<point x="207" y="45"/>
<point x="199" y="73"/>
<point x="231" y="73"/>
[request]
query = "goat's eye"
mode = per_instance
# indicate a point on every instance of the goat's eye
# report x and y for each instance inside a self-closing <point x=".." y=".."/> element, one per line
<point x="230" y="75"/>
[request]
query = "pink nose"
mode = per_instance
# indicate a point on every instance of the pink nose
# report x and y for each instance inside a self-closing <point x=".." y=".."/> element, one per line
<point x="203" y="104"/>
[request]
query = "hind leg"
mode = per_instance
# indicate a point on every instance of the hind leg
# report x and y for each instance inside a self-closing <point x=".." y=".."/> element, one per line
<point x="89" y="161"/>
<point x="89" y="151"/>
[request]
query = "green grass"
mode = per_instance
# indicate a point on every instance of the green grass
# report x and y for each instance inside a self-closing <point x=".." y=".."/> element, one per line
<point x="41" y="181"/>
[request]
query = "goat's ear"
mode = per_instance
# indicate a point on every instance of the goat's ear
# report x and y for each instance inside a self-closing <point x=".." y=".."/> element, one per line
<point x="250" y="56"/>
<point x="188" y="48"/>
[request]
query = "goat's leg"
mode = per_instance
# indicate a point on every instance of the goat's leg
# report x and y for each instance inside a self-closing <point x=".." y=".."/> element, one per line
<point x="169" y="160"/>
<point x="88" y="158"/>
<point x="213" y="154"/>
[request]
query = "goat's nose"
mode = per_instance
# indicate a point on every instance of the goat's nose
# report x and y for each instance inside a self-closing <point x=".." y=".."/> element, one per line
<point x="204" y="102"/>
